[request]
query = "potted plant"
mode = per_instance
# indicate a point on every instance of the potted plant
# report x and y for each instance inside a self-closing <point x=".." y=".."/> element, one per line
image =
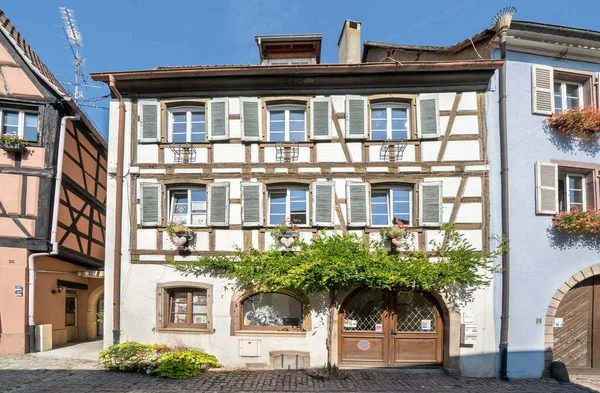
<point x="578" y="221"/>
<point x="583" y="123"/>
<point x="13" y="142"/>
<point x="285" y="233"/>
<point x="180" y="235"/>
<point x="397" y="234"/>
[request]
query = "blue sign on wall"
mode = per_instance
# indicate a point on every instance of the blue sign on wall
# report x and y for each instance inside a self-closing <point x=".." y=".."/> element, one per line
<point x="18" y="291"/>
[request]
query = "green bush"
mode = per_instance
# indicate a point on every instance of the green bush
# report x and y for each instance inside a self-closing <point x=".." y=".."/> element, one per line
<point x="157" y="359"/>
<point x="185" y="364"/>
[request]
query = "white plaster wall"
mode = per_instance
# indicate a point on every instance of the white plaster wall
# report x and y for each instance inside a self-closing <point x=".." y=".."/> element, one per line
<point x="139" y="322"/>
<point x="430" y="150"/>
<point x="330" y="152"/>
<point x="147" y="154"/>
<point x="462" y="150"/>
<point x="228" y="152"/>
<point x="463" y="125"/>
<point x="146" y="239"/>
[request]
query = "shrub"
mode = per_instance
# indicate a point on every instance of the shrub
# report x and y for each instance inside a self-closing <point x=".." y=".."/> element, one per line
<point x="578" y="221"/>
<point x="184" y="364"/>
<point x="156" y="359"/>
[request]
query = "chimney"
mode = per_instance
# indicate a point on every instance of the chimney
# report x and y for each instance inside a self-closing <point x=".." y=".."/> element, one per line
<point x="349" y="43"/>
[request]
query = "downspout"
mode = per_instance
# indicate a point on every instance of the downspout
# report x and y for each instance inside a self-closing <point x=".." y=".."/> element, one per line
<point x="118" y="213"/>
<point x="502" y="23"/>
<point x="53" y="242"/>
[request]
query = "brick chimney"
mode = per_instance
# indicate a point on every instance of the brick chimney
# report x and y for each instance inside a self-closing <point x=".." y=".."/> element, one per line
<point x="349" y="43"/>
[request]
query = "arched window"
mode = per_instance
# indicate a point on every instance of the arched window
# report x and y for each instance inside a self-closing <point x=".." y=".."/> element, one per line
<point x="272" y="311"/>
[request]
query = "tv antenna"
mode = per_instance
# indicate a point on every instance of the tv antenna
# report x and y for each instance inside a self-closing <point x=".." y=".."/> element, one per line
<point x="75" y="42"/>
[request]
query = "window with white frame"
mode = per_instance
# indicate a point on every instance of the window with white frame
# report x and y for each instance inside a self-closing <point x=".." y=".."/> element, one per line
<point x="389" y="121"/>
<point x="571" y="192"/>
<point x="188" y="206"/>
<point x="290" y="202"/>
<point x="567" y="95"/>
<point x="187" y="125"/>
<point x="287" y="123"/>
<point x="21" y="123"/>
<point x="391" y="203"/>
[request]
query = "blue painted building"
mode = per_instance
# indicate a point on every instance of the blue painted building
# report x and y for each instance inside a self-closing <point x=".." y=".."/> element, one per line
<point x="554" y="299"/>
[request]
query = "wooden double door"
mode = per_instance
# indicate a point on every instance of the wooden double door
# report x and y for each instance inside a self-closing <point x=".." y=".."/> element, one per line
<point x="577" y="342"/>
<point x="382" y="328"/>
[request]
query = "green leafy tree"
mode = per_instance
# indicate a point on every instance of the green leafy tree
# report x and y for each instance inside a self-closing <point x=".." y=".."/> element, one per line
<point x="333" y="263"/>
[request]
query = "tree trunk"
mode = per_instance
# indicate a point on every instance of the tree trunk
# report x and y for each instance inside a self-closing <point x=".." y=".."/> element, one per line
<point x="330" y="329"/>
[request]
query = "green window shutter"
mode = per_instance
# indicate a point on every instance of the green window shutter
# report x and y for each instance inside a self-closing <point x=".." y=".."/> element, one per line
<point x="356" y="117"/>
<point x="252" y="204"/>
<point x="428" y="116"/>
<point x="251" y="119"/>
<point x="546" y="182"/>
<point x="149" y="121"/>
<point x="356" y="204"/>
<point x="320" y="118"/>
<point x="323" y="203"/>
<point x="430" y="204"/>
<point x="218" y="119"/>
<point x="218" y="204"/>
<point x="542" y="90"/>
<point x="150" y="199"/>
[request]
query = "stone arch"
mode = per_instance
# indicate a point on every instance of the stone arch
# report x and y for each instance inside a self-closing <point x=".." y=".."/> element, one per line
<point x="450" y="316"/>
<point x="92" y="326"/>
<point x="553" y="308"/>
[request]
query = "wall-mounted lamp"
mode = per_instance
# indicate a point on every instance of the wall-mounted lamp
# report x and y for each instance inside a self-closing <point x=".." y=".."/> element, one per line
<point x="58" y="289"/>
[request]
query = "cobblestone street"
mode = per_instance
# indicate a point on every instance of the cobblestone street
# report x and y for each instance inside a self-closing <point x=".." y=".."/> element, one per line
<point x="30" y="374"/>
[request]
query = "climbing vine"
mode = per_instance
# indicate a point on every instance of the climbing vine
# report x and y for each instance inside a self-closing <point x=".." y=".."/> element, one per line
<point x="333" y="263"/>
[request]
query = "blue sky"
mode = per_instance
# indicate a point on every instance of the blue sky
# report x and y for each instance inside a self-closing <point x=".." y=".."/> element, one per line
<point x="143" y="34"/>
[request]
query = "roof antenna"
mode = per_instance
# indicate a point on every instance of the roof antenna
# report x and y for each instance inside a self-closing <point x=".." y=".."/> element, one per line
<point x="75" y="42"/>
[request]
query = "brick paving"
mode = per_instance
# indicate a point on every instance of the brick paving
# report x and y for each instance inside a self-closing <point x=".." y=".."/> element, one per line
<point x="31" y="374"/>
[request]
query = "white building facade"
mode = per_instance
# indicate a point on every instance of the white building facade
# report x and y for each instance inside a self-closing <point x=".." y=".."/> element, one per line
<point x="232" y="151"/>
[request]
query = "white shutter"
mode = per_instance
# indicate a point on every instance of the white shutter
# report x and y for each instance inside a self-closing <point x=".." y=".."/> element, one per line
<point x="546" y="188"/>
<point x="148" y="121"/>
<point x="252" y="204"/>
<point x="356" y="117"/>
<point x="428" y="116"/>
<point x="250" y="119"/>
<point x="320" y="118"/>
<point x="218" y="204"/>
<point x="430" y="204"/>
<point x="218" y="119"/>
<point x="323" y="203"/>
<point x="357" y="206"/>
<point x="542" y="90"/>
<point x="150" y="199"/>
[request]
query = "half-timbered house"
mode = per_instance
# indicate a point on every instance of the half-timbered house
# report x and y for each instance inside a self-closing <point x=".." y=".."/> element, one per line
<point x="230" y="151"/>
<point x="52" y="208"/>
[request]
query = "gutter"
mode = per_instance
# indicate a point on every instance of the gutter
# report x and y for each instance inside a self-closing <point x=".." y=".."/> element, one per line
<point x="53" y="242"/>
<point x="118" y="213"/>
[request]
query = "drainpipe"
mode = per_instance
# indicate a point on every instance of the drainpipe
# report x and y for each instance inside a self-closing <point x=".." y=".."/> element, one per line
<point x="502" y="23"/>
<point x="118" y="213"/>
<point x="53" y="242"/>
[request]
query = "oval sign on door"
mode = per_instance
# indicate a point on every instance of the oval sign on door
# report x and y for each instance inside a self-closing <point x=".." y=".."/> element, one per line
<point x="363" y="345"/>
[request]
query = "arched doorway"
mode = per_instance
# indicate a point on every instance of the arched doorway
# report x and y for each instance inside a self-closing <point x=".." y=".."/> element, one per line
<point x="390" y="329"/>
<point x="577" y="318"/>
<point x="95" y="302"/>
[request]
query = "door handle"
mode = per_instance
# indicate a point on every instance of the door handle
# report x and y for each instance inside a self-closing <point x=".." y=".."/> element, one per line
<point x="393" y="332"/>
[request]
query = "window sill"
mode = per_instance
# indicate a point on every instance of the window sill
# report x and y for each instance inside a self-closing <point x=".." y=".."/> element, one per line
<point x="269" y="333"/>
<point x="185" y="330"/>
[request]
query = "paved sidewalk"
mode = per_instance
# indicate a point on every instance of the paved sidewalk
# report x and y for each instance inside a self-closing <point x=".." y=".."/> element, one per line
<point x="32" y="374"/>
<point x="88" y="350"/>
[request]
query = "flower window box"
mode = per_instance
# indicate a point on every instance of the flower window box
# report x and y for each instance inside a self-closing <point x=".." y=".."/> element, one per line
<point x="582" y="123"/>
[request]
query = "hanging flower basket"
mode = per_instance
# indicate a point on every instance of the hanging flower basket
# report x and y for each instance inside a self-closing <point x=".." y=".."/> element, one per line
<point x="582" y="123"/>
<point x="397" y="235"/>
<point x="286" y="233"/>
<point x="13" y="142"/>
<point x="180" y="235"/>
<point x="578" y="222"/>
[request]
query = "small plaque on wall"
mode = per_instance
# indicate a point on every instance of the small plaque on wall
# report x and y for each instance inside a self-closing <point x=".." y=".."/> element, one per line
<point x="18" y="291"/>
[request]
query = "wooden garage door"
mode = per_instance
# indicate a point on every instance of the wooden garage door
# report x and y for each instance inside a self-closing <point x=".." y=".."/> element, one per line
<point x="577" y="342"/>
